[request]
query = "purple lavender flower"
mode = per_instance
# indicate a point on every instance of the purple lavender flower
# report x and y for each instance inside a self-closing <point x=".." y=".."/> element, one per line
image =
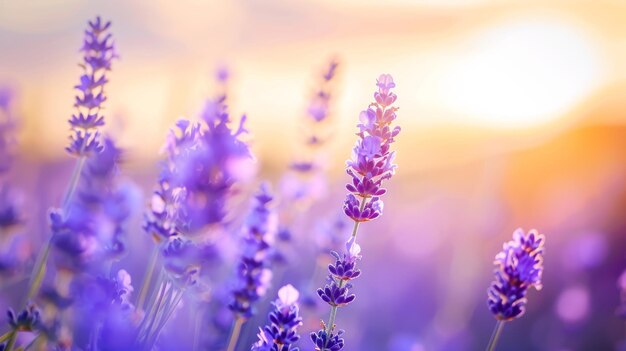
<point x="519" y="266"/>
<point x="27" y="320"/>
<point x="204" y="162"/>
<point x="103" y="312"/>
<point x="320" y="102"/>
<point x="370" y="165"/>
<point x="324" y="341"/>
<point x="98" y="53"/>
<point x="92" y="229"/>
<point x="253" y="273"/>
<point x="337" y="292"/>
<point x="372" y="160"/>
<point x="282" y="332"/>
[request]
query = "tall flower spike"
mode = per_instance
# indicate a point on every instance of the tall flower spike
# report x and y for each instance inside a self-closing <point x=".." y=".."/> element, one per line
<point x="372" y="158"/>
<point x="370" y="165"/>
<point x="253" y="273"/>
<point x="98" y="53"/>
<point x="282" y="331"/>
<point x="519" y="266"/>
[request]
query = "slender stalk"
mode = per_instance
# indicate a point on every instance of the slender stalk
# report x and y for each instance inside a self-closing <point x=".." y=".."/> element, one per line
<point x="333" y="310"/>
<point x="165" y="289"/>
<point x="73" y="185"/>
<point x="143" y="293"/>
<point x="495" y="336"/>
<point x="234" y="334"/>
<point x="39" y="270"/>
<point x="12" y="340"/>
<point x="5" y="336"/>
<point x="32" y="342"/>
<point x="165" y="316"/>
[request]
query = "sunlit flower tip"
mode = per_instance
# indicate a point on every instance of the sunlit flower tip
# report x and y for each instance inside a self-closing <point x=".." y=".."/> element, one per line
<point x="288" y="295"/>
<point x="281" y="332"/>
<point x="331" y="70"/>
<point x="98" y="50"/>
<point x="519" y="266"/>
<point x="222" y="73"/>
<point x="353" y="249"/>
<point x="385" y="83"/>
<point x="325" y="342"/>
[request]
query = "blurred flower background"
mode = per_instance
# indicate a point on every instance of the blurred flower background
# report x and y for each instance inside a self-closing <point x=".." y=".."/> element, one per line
<point x="513" y="114"/>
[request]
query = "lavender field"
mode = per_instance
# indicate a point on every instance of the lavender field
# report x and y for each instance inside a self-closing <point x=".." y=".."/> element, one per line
<point x="402" y="175"/>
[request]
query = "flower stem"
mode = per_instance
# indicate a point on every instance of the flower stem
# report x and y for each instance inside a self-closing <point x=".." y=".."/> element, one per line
<point x="495" y="336"/>
<point x="73" y="185"/>
<point x="39" y="270"/>
<point x="12" y="340"/>
<point x="234" y="334"/>
<point x="333" y="315"/>
<point x="143" y="293"/>
<point x="333" y="310"/>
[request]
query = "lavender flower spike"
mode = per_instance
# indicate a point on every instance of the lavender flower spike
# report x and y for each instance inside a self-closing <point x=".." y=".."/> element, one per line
<point x="282" y="331"/>
<point x="519" y="266"/>
<point x="372" y="158"/>
<point x="253" y="273"/>
<point x="98" y="53"/>
<point x="370" y="165"/>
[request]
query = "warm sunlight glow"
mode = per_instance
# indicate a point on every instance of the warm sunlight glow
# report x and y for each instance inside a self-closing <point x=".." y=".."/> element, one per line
<point x="522" y="73"/>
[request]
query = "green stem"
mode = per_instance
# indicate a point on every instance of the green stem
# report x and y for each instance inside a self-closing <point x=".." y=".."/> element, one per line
<point x="168" y="310"/>
<point x="143" y="293"/>
<point x="234" y="334"/>
<point x="73" y="185"/>
<point x="12" y="340"/>
<point x="495" y="336"/>
<point x="39" y="270"/>
<point x="333" y="310"/>
<point x="32" y="342"/>
<point x="5" y="336"/>
<point x="156" y="308"/>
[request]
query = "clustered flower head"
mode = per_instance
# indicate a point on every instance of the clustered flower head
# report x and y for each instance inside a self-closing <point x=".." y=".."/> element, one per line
<point x="282" y="331"/>
<point x="324" y="341"/>
<point x="91" y="230"/>
<point x="519" y="266"/>
<point x="27" y="320"/>
<point x="98" y="53"/>
<point x="372" y="159"/>
<point x="253" y="273"/>
<point x="204" y="161"/>
<point x="337" y="291"/>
